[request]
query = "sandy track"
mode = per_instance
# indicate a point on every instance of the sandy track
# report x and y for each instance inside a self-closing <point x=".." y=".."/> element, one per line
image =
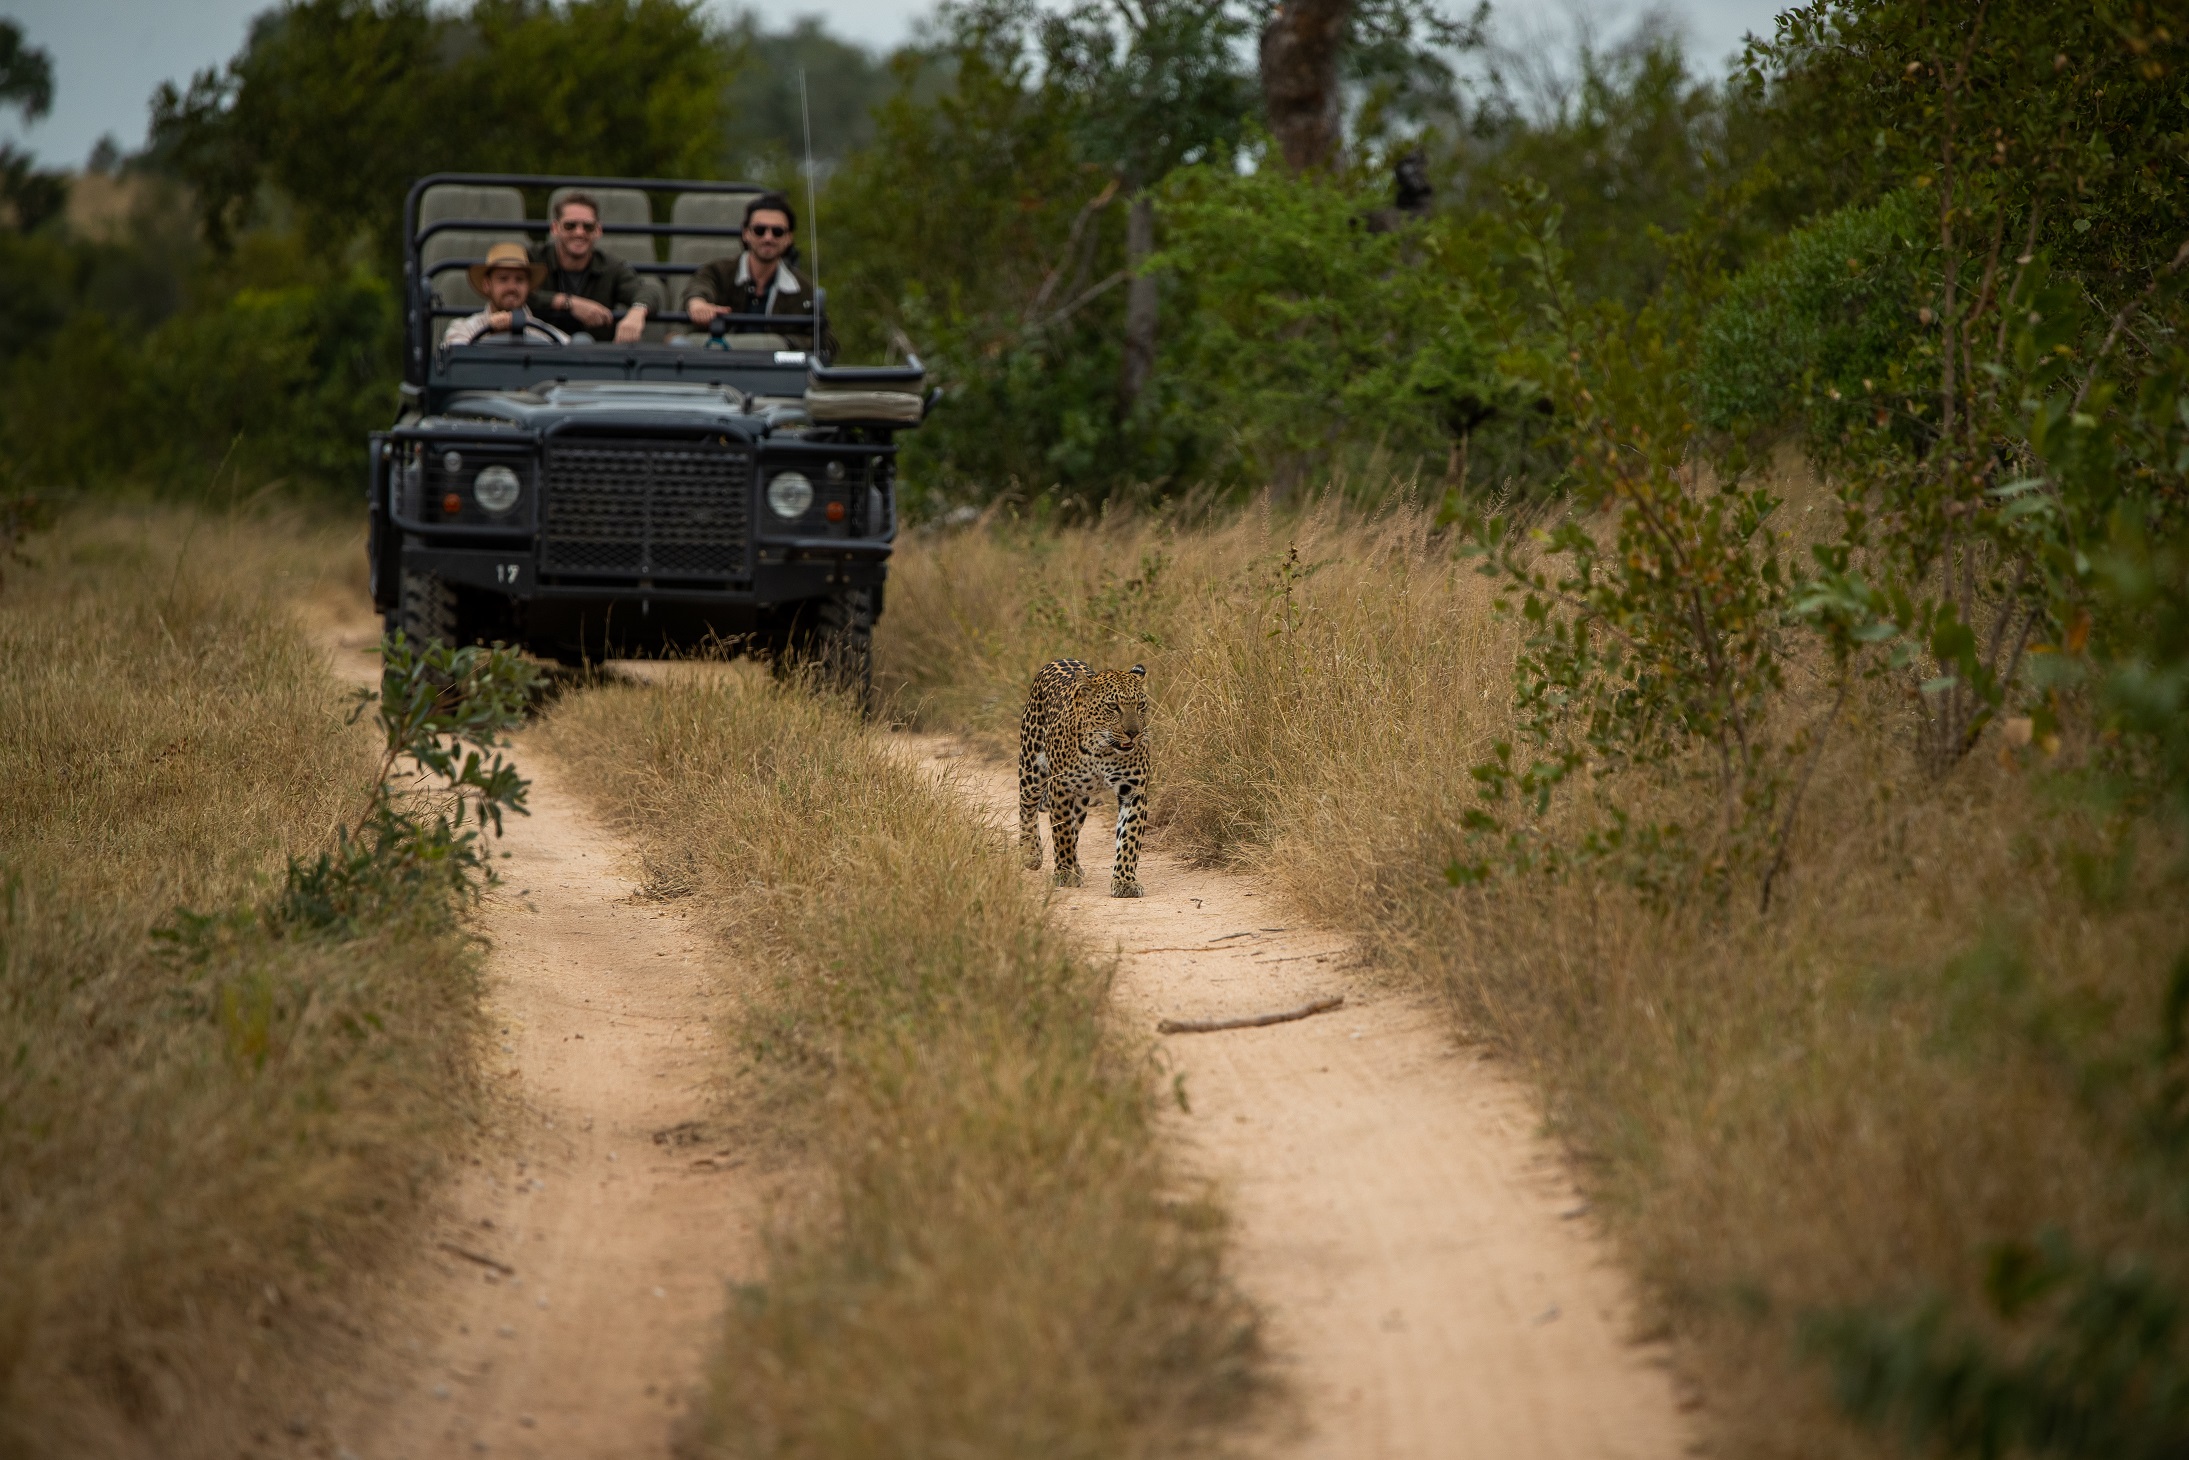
<point x="1432" y="1281"/>
<point x="563" y="1300"/>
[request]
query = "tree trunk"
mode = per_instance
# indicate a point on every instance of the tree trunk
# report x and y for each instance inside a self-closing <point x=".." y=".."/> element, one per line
<point x="1140" y="303"/>
<point x="1300" y="79"/>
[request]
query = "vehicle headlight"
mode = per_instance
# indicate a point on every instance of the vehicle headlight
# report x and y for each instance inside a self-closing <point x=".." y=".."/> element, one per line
<point x="496" y="488"/>
<point x="789" y="493"/>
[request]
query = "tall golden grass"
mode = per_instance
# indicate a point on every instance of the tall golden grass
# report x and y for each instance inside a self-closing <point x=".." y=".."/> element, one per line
<point x="200" y="1143"/>
<point x="1001" y="1263"/>
<point x="1843" y="1102"/>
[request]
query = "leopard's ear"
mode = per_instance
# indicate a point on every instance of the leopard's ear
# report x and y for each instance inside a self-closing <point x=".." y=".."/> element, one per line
<point x="1139" y="669"/>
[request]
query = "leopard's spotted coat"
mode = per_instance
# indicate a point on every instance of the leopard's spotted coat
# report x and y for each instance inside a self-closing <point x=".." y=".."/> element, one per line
<point x="1082" y="731"/>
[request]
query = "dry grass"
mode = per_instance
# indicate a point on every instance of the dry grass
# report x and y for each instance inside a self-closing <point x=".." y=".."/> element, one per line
<point x="1843" y="1103"/>
<point x="196" y="1154"/>
<point x="1002" y="1264"/>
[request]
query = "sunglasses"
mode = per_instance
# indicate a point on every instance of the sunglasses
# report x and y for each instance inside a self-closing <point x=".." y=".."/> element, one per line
<point x="766" y="230"/>
<point x="572" y="225"/>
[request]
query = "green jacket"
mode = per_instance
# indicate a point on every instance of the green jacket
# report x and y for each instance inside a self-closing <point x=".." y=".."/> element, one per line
<point x="605" y="279"/>
<point x="726" y="282"/>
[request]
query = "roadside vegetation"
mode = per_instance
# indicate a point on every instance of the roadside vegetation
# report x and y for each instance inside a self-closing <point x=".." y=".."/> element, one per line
<point x="237" y="1008"/>
<point x="1792" y="779"/>
<point x="1943" y="1043"/>
<point x="998" y="1259"/>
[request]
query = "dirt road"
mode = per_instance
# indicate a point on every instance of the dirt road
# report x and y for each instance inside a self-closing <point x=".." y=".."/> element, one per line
<point x="564" y="1301"/>
<point x="1433" y="1285"/>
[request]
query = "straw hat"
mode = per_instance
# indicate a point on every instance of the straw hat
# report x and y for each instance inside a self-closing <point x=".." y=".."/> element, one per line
<point x="501" y="255"/>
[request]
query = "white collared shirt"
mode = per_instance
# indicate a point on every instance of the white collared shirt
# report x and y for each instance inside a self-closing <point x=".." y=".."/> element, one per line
<point x="784" y="282"/>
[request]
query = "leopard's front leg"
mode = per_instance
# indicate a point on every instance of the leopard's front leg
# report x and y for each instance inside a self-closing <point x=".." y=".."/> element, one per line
<point x="1132" y="814"/>
<point x="1067" y="813"/>
<point x="1032" y="791"/>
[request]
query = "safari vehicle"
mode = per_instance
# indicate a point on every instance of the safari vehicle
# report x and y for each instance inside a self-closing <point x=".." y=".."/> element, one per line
<point x="723" y="488"/>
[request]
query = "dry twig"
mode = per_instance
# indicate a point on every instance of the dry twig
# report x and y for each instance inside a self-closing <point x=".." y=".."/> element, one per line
<point x="1252" y="1021"/>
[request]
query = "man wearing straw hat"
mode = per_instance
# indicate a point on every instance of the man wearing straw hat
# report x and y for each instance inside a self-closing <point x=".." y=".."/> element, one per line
<point x="505" y="279"/>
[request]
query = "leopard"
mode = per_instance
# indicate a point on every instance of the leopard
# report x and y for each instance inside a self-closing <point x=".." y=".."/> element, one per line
<point x="1084" y="729"/>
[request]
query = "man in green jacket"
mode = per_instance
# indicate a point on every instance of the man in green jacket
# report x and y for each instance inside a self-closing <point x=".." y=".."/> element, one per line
<point x="585" y="283"/>
<point x="760" y="280"/>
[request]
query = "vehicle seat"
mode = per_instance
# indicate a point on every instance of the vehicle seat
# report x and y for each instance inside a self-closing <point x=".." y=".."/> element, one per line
<point x="463" y="246"/>
<point x="704" y="210"/>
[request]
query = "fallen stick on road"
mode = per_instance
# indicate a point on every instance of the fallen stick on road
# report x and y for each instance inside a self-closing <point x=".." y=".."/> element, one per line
<point x="480" y="1258"/>
<point x="1252" y="1021"/>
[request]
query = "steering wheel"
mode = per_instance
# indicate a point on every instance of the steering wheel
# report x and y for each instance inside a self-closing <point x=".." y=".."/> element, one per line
<point x="520" y="320"/>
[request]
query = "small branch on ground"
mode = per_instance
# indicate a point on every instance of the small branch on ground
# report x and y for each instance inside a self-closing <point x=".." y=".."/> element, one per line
<point x="480" y="1258"/>
<point x="1253" y="1021"/>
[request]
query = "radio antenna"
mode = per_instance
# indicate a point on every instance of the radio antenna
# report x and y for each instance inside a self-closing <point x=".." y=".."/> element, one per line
<point x="813" y="210"/>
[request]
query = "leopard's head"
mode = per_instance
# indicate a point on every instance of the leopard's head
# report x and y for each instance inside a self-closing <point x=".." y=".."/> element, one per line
<point x="1116" y="702"/>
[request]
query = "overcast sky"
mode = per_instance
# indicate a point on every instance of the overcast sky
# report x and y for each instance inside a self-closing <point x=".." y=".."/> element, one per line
<point x="109" y="54"/>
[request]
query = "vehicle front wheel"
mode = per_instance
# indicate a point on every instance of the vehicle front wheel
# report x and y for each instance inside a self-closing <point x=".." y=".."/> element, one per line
<point x="426" y="610"/>
<point x="834" y="642"/>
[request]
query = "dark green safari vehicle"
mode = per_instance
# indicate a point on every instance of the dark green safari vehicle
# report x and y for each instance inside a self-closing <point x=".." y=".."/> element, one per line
<point x="717" y="488"/>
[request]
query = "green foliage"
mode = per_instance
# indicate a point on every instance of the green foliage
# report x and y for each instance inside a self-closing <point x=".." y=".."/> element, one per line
<point x="2097" y="1367"/>
<point x="766" y="128"/>
<point x="972" y="229"/>
<point x="131" y="285"/>
<point x="1301" y="331"/>
<point x="1657" y="631"/>
<point x="1637" y="149"/>
<point x="273" y="383"/>
<point x="986" y="227"/>
<point x="1975" y="508"/>
<point x="26" y="74"/>
<point x="1824" y="332"/>
<point x="2141" y="592"/>
<point x="1150" y="86"/>
<point x="420" y="847"/>
<point x="28" y="195"/>
<point x="2069" y="115"/>
<point x="340" y="104"/>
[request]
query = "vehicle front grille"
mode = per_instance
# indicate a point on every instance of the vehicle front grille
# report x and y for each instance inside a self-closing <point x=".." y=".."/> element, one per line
<point x="647" y="509"/>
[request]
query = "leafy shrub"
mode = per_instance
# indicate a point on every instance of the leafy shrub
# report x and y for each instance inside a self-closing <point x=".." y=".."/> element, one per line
<point x="1301" y="331"/>
<point x="1655" y="641"/>
<point x="1824" y="330"/>
<point x="442" y="711"/>
<point x="260" y="384"/>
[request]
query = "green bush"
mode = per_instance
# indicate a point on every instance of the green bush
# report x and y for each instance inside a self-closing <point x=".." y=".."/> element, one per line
<point x="1300" y="331"/>
<point x="1826" y="329"/>
<point x="264" y="384"/>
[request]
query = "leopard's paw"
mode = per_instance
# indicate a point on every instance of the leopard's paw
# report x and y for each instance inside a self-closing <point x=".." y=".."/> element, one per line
<point x="1068" y="877"/>
<point x="1119" y="887"/>
<point x="1030" y="857"/>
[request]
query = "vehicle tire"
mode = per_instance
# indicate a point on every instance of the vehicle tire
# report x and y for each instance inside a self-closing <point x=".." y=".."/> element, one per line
<point x="426" y="610"/>
<point x="834" y="641"/>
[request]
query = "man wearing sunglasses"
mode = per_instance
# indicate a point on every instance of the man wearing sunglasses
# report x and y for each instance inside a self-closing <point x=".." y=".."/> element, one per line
<point x="760" y="279"/>
<point x="585" y="283"/>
